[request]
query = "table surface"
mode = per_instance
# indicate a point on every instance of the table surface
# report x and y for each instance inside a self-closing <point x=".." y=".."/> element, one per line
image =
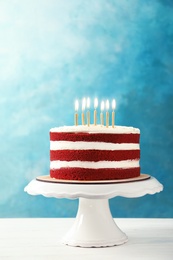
<point x="41" y="239"/>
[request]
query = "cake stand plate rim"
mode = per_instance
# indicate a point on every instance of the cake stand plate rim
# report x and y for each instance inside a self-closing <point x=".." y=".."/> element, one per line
<point x="48" y="179"/>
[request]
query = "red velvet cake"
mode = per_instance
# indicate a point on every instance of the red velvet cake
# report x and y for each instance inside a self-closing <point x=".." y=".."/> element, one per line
<point x="94" y="153"/>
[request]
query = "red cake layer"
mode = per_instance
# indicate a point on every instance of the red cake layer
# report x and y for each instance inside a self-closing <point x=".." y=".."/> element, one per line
<point x="78" y="173"/>
<point x="94" y="174"/>
<point x="95" y="137"/>
<point x="94" y="155"/>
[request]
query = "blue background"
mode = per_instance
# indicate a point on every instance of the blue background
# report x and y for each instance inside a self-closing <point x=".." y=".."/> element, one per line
<point x="52" y="52"/>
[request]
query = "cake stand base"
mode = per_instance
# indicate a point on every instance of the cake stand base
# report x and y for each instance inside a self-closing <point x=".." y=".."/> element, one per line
<point x="94" y="226"/>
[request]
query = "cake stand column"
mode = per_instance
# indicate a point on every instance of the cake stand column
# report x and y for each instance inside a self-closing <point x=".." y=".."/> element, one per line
<point x="94" y="226"/>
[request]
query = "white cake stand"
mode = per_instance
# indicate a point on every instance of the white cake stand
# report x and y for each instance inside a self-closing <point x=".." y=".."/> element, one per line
<point x="94" y="225"/>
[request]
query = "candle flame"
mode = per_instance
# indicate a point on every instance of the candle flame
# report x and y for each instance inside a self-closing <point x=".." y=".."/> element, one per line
<point x="107" y="104"/>
<point x="113" y="104"/>
<point x="102" y="105"/>
<point x="76" y="105"/>
<point x="95" y="103"/>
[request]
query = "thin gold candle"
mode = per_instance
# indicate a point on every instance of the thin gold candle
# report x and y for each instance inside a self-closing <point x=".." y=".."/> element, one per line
<point x="107" y="113"/>
<point x="107" y="119"/>
<point x="88" y="112"/>
<point x="113" y="113"/>
<point x="113" y="119"/>
<point x="76" y="119"/>
<point x="101" y="114"/>
<point x="83" y="110"/>
<point x="83" y="119"/>
<point x="95" y="117"/>
<point x="76" y="112"/>
<point x="95" y="110"/>
<point x="88" y="118"/>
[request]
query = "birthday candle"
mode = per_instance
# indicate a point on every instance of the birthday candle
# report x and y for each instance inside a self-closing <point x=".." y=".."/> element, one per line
<point x="76" y="112"/>
<point x="95" y="110"/>
<point x="101" y="114"/>
<point x="113" y="112"/>
<point x="88" y="112"/>
<point x="83" y="110"/>
<point x="107" y="113"/>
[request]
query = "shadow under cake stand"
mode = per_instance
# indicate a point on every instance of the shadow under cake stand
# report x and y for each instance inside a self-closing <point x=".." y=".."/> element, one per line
<point x="94" y="225"/>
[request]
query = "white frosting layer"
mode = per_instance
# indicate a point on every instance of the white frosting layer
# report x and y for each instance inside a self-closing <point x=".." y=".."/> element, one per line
<point x="95" y="165"/>
<point x="97" y="129"/>
<point x="68" y="145"/>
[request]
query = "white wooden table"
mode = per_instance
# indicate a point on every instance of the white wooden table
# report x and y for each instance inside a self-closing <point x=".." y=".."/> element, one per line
<point x="41" y="239"/>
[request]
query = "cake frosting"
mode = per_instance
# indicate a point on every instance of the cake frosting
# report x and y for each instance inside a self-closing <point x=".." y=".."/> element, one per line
<point x="94" y="152"/>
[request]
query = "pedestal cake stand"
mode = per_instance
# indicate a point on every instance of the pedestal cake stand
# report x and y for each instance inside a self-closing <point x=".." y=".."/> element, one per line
<point x="94" y="225"/>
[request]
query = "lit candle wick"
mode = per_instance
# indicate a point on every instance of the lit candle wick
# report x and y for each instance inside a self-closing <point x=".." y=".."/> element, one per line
<point x="107" y="113"/>
<point x="95" y="110"/>
<point x="76" y="112"/>
<point x="101" y="114"/>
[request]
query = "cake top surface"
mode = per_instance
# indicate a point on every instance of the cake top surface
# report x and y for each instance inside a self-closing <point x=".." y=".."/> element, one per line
<point x="96" y="129"/>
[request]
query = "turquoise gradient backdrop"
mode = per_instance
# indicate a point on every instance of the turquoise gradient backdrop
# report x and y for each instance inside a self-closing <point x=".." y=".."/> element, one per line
<point x="52" y="52"/>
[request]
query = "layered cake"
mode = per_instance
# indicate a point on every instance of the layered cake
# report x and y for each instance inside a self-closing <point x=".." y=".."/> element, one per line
<point x="94" y="153"/>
